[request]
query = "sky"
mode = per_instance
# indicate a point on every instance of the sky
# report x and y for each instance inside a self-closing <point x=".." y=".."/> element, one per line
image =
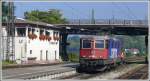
<point x="82" y="10"/>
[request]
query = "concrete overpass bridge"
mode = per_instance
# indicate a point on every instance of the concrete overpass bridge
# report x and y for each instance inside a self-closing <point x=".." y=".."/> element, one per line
<point x="118" y="27"/>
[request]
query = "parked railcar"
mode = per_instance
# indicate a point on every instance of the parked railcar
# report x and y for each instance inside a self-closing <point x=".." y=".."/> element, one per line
<point x="99" y="52"/>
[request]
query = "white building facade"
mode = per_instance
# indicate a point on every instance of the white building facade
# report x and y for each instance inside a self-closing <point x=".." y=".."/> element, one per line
<point x="35" y="44"/>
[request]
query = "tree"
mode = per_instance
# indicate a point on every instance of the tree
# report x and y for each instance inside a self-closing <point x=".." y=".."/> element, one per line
<point x="8" y="17"/>
<point x="52" y="16"/>
<point x="133" y="42"/>
<point x="6" y="10"/>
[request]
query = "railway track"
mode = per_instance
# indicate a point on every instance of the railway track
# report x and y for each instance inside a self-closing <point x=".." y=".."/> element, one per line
<point x="112" y="74"/>
<point x="138" y="73"/>
<point x="80" y="76"/>
<point x="42" y="74"/>
<point x="88" y="75"/>
<point x="135" y="58"/>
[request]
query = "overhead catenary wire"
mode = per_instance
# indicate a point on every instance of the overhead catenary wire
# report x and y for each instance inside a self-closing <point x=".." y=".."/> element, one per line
<point x="73" y="13"/>
<point x="127" y="13"/>
<point x="76" y="10"/>
<point x="131" y="12"/>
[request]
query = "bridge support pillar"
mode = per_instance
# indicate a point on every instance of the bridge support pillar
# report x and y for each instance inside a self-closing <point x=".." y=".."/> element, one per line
<point x="63" y="46"/>
<point x="146" y="43"/>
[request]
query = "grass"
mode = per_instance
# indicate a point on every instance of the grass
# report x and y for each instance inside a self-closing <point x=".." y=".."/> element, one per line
<point x="73" y="57"/>
<point x="6" y="62"/>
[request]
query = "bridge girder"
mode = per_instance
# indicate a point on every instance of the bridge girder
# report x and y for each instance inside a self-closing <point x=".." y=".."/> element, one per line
<point x="114" y="29"/>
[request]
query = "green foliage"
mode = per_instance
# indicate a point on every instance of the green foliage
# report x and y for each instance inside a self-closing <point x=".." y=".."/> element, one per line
<point x="5" y="11"/>
<point x="128" y="54"/>
<point x="7" y="62"/>
<point x="52" y="16"/>
<point x="73" y="57"/>
<point x="133" y="42"/>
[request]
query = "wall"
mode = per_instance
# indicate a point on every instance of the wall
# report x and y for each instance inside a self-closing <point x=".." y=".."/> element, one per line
<point x="23" y="45"/>
<point x="4" y="43"/>
<point x="37" y="46"/>
<point x="20" y="49"/>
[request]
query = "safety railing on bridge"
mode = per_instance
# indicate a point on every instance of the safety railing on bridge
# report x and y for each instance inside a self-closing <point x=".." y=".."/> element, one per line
<point x="108" y="22"/>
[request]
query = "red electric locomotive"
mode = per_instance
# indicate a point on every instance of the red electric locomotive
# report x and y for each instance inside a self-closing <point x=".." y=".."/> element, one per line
<point x="99" y="52"/>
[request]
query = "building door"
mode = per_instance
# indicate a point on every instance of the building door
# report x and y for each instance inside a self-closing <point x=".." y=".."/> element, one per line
<point x="41" y="57"/>
<point x="55" y="55"/>
<point x="46" y="55"/>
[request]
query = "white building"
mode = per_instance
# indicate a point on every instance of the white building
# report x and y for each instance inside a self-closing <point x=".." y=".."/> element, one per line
<point x="34" y="42"/>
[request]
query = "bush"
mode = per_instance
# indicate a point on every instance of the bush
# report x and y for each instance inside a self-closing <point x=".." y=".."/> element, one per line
<point x="128" y="54"/>
<point x="7" y="62"/>
<point x="73" y="57"/>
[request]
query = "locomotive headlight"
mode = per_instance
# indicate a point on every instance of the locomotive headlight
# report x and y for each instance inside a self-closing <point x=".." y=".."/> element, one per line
<point x="84" y="56"/>
<point x="92" y="56"/>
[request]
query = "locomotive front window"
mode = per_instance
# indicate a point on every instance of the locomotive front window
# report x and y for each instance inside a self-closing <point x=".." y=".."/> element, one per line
<point x="86" y="44"/>
<point x="99" y="44"/>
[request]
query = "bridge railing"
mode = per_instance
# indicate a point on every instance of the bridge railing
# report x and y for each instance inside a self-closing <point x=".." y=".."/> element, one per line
<point x="107" y="22"/>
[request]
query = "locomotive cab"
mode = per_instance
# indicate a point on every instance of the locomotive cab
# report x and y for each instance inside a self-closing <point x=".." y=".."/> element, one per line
<point x="93" y="49"/>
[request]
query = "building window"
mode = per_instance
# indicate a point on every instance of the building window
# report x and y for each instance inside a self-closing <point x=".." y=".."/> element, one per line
<point x="33" y="30"/>
<point x="29" y="31"/>
<point x="30" y="51"/>
<point x="47" y="33"/>
<point x="20" y="41"/>
<point x="41" y="32"/>
<point x="21" y="32"/>
<point x="54" y="34"/>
